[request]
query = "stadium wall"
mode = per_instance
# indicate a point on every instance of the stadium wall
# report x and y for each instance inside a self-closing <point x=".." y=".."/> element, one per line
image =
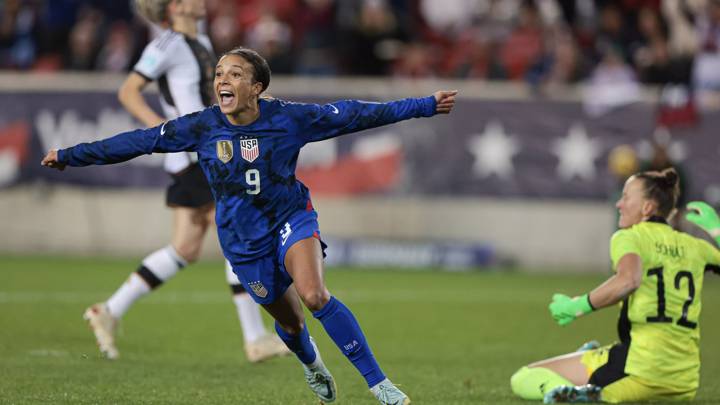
<point x="48" y="219"/>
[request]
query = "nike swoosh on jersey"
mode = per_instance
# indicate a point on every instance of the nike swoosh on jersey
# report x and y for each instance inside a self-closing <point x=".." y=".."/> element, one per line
<point x="162" y="129"/>
<point x="335" y="109"/>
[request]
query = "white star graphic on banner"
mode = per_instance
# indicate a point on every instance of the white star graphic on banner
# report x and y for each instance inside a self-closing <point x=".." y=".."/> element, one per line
<point x="493" y="151"/>
<point x="576" y="154"/>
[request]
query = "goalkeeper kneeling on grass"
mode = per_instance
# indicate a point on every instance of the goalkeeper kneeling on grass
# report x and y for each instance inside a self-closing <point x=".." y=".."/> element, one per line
<point x="657" y="283"/>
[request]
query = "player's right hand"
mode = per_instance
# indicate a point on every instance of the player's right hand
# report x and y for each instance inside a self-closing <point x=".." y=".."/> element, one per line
<point x="564" y="309"/>
<point x="51" y="160"/>
<point x="704" y="216"/>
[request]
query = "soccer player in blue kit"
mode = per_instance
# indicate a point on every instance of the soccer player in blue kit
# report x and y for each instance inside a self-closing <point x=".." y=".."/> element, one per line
<point x="248" y="148"/>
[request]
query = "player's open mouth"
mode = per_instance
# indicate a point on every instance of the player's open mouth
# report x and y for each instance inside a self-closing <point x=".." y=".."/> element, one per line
<point x="226" y="98"/>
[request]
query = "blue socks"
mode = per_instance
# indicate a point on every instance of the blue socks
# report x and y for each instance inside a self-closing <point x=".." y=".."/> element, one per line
<point x="342" y="327"/>
<point x="298" y="344"/>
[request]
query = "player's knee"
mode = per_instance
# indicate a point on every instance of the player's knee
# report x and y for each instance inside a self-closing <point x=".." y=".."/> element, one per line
<point x="517" y="379"/>
<point x="190" y="251"/>
<point x="315" y="300"/>
<point x="531" y="383"/>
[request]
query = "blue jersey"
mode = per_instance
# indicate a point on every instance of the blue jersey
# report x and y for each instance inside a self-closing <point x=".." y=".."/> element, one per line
<point x="251" y="168"/>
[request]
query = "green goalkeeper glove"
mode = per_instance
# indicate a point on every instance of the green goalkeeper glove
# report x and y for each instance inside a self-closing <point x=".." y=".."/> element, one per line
<point x="704" y="216"/>
<point x="565" y="309"/>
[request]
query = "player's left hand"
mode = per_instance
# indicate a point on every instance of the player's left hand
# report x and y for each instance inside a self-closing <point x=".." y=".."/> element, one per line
<point x="51" y="160"/>
<point x="704" y="216"/>
<point x="445" y="100"/>
<point x="565" y="309"/>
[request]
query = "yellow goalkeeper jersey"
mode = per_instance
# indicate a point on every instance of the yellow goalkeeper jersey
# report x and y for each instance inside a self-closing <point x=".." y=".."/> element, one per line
<point x="660" y="321"/>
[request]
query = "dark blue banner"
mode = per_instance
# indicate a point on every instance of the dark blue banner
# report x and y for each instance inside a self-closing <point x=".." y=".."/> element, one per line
<point x="533" y="148"/>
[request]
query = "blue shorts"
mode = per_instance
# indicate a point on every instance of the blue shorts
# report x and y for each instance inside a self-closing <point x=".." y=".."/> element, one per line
<point x="266" y="279"/>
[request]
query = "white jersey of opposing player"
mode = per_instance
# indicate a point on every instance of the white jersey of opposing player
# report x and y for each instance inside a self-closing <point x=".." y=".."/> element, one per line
<point x="184" y="69"/>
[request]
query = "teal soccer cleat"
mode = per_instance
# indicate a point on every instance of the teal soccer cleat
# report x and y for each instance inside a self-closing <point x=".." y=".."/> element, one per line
<point x="388" y="394"/>
<point x="591" y="345"/>
<point x="320" y="380"/>
<point x="569" y="394"/>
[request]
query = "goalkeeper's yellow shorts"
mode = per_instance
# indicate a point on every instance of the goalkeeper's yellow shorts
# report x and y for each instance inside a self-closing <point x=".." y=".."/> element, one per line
<point x="606" y="366"/>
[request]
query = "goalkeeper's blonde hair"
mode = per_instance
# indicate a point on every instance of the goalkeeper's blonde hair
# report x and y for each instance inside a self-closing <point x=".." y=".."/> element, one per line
<point x="153" y="10"/>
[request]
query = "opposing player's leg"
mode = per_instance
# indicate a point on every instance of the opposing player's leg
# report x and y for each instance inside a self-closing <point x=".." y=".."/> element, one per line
<point x="304" y="262"/>
<point x="290" y="326"/>
<point x="189" y="228"/>
<point x="259" y="344"/>
<point x="608" y="381"/>
<point x="537" y="379"/>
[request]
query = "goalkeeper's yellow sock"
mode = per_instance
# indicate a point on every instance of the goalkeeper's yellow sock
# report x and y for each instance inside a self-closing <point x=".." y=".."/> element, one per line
<point x="533" y="383"/>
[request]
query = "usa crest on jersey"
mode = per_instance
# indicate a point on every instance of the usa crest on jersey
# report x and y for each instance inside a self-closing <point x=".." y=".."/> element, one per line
<point x="249" y="149"/>
<point x="224" y="150"/>
<point x="258" y="288"/>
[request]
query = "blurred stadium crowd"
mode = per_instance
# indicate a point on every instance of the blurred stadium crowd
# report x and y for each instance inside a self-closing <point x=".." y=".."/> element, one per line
<point x="542" y="42"/>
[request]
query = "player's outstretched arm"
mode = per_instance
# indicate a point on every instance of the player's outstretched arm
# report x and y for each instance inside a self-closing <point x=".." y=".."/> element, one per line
<point x="704" y="216"/>
<point x="348" y="116"/>
<point x="116" y="149"/>
<point x="172" y="136"/>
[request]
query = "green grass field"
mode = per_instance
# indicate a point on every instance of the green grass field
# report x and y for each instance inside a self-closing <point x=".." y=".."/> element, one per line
<point x="447" y="338"/>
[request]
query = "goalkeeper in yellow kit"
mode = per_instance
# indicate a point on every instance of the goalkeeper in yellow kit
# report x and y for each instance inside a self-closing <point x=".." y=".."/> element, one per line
<point x="658" y="284"/>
